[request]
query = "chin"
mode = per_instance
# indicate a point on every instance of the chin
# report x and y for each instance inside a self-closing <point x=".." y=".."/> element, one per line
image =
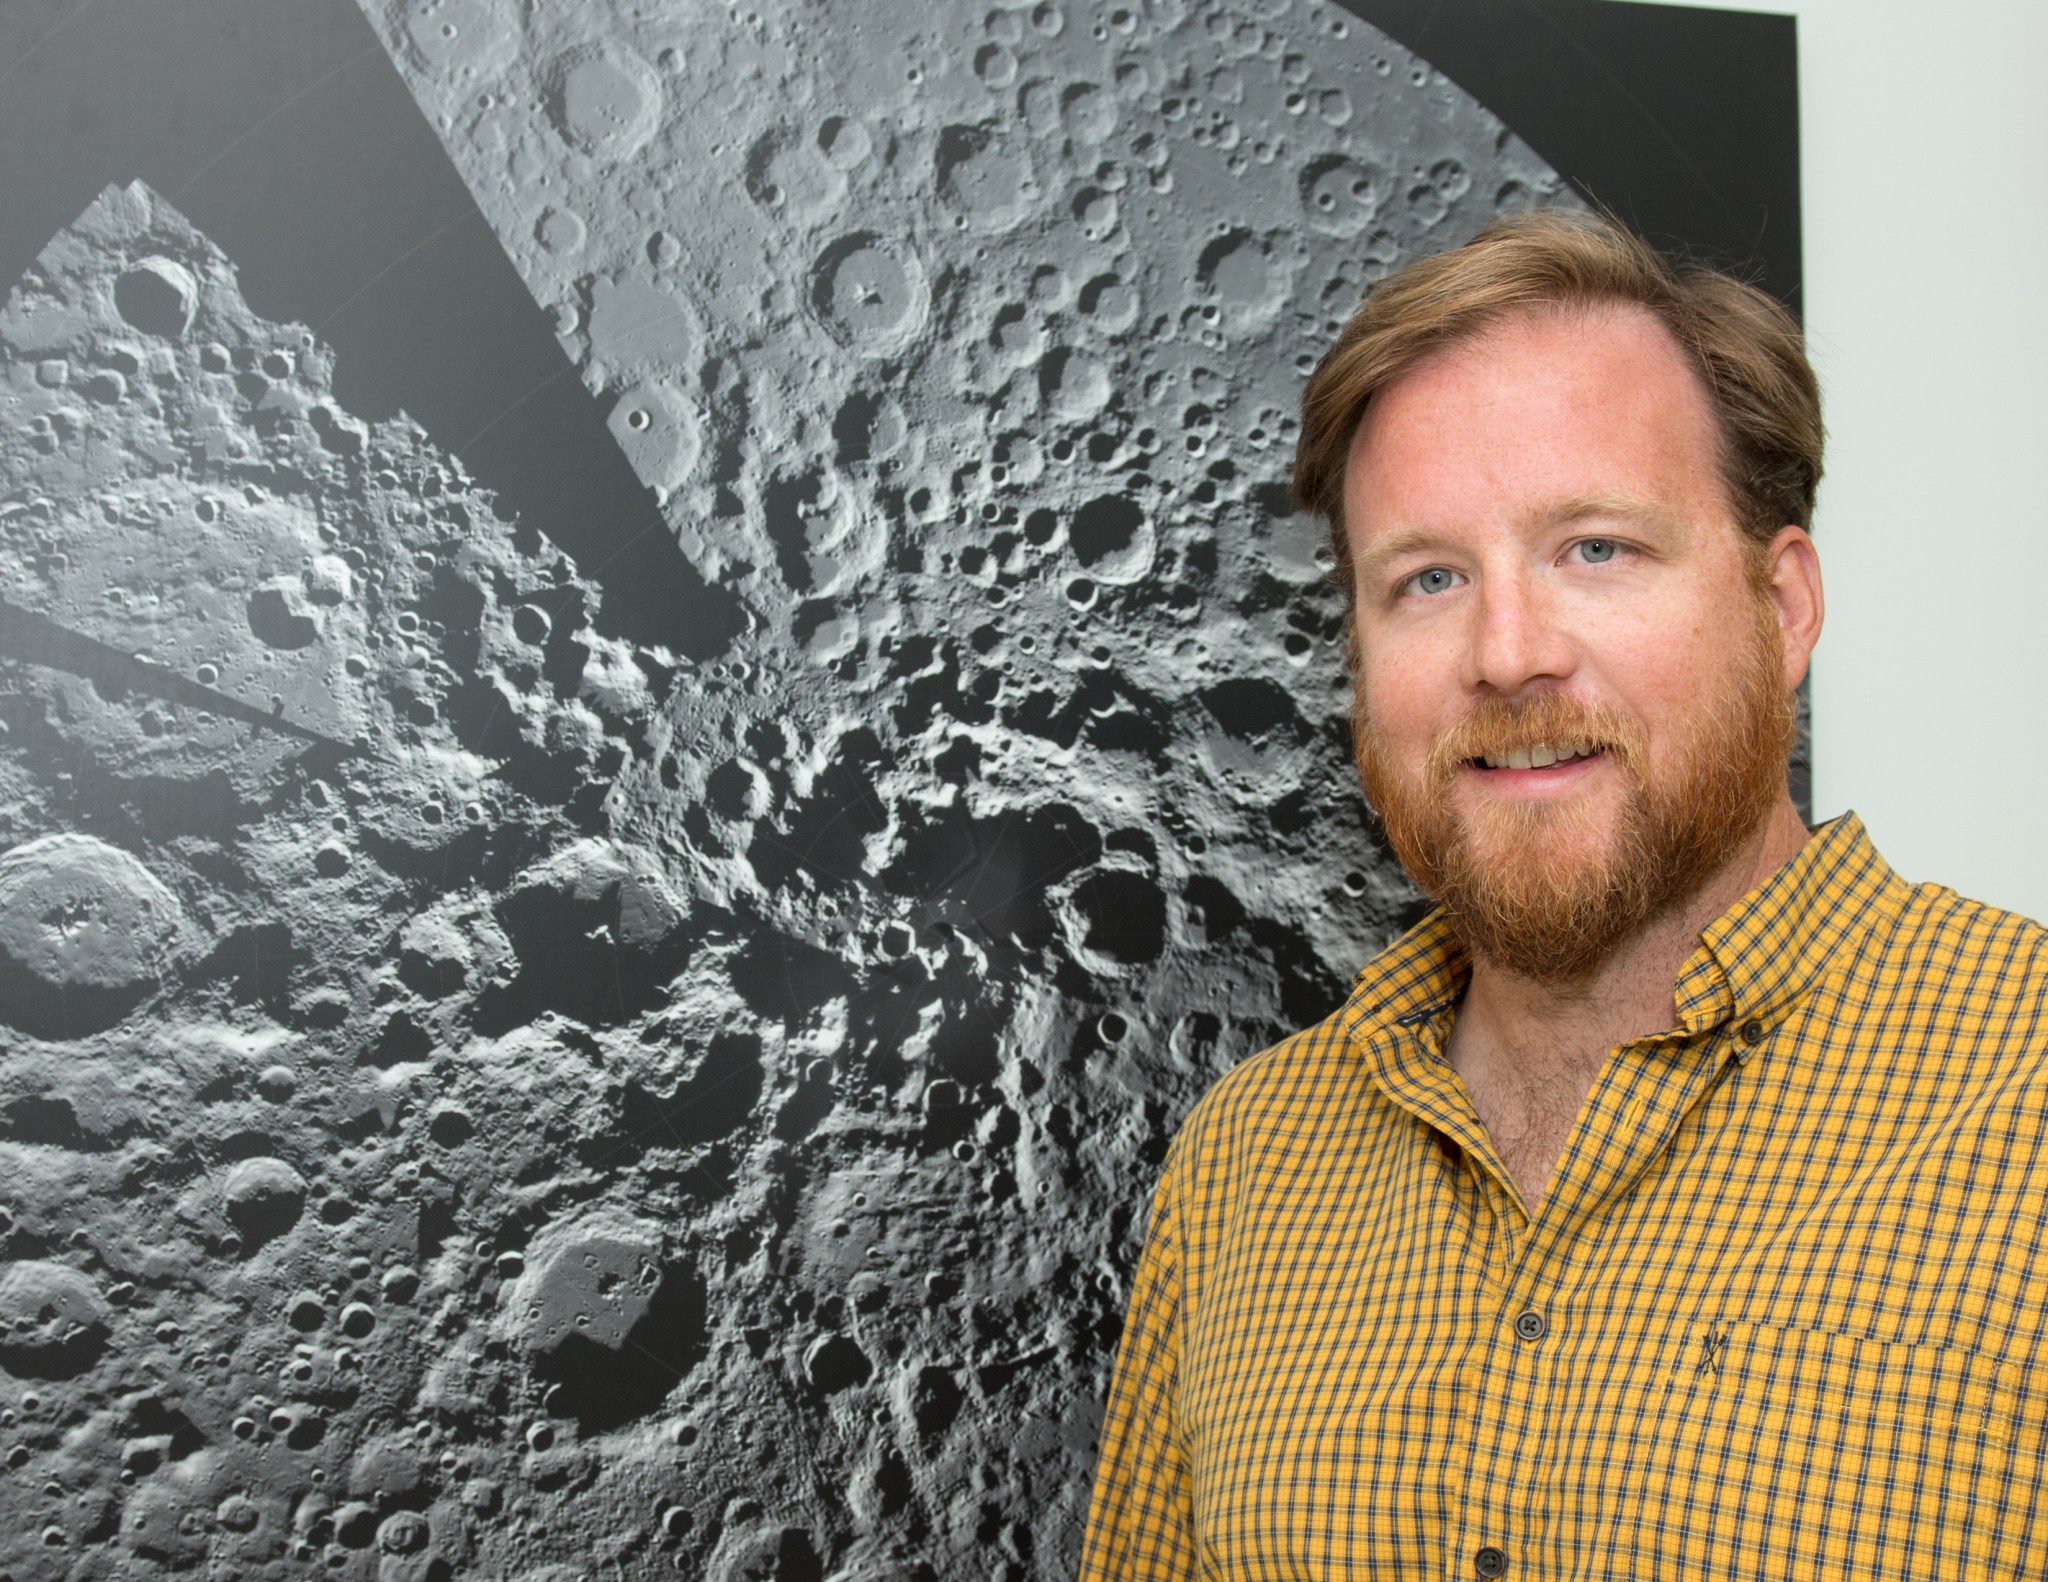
<point x="1588" y="818"/>
<point x="1561" y="839"/>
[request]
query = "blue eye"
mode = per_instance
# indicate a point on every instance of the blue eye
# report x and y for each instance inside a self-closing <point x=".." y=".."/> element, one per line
<point x="1597" y="550"/>
<point x="1434" y="580"/>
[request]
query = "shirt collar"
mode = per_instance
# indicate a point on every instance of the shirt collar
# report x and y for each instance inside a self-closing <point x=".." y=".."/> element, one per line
<point x="1421" y="973"/>
<point x="1753" y="962"/>
<point x="1761" y="955"/>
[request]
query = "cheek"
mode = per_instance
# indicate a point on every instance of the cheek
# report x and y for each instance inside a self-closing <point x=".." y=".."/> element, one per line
<point x="1664" y="671"/>
<point x="1409" y="690"/>
<point x="1397" y="703"/>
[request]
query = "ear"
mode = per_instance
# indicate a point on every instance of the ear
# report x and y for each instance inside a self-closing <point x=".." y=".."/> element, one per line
<point x="1793" y="587"/>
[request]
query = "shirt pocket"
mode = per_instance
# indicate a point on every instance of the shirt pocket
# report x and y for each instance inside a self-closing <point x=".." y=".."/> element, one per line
<point x="1793" y="1453"/>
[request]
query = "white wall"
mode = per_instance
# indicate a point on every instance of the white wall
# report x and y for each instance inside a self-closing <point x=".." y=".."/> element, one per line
<point x="1924" y="132"/>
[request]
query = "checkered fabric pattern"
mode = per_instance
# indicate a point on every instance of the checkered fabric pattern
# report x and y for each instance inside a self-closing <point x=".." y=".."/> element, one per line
<point x="1780" y="1315"/>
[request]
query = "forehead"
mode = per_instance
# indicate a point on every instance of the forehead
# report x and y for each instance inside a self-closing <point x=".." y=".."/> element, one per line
<point x="1546" y="406"/>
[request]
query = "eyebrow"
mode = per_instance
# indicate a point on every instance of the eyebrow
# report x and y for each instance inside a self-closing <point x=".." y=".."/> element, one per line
<point x="1625" y="507"/>
<point x="1642" y="509"/>
<point x="1395" y="546"/>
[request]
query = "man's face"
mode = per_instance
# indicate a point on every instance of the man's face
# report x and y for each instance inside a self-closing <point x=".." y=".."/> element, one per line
<point x="1573" y="699"/>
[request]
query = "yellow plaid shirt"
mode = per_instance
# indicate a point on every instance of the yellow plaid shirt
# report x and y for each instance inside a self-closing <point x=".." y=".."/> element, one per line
<point x="1780" y="1314"/>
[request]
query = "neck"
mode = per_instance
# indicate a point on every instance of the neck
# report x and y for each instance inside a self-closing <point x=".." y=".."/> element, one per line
<point x="1569" y="1028"/>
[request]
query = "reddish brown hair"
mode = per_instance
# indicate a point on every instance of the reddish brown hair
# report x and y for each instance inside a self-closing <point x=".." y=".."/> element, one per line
<point x="1746" y="348"/>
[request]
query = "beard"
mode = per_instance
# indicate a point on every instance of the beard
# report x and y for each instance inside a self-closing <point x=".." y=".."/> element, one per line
<point x="1548" y="890"/>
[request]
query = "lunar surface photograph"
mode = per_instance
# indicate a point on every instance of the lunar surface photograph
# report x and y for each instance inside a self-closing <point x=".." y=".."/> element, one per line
<point x="518" y="1065"/>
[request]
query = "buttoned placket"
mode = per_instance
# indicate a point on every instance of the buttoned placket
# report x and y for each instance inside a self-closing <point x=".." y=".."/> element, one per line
<point x="1643" y="1094"/>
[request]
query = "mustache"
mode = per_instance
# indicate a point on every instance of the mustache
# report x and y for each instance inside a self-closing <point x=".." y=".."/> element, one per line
<point x="1498" y="726"/>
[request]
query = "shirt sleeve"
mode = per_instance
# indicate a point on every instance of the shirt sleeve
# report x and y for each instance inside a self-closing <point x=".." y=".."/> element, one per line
<point x="1141" y="1524"/>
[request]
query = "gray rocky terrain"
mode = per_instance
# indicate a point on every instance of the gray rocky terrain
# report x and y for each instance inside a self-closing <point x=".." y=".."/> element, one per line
<point x="482" y="1095"/>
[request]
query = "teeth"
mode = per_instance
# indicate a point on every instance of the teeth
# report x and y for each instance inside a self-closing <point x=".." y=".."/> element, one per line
<point x="1540" y="755"/>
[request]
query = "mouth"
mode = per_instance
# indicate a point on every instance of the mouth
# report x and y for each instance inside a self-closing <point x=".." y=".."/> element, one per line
<point x="1551" y="756"/>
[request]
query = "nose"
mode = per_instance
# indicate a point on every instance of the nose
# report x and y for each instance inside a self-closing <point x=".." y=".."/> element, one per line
<point x="1514" y="639"/>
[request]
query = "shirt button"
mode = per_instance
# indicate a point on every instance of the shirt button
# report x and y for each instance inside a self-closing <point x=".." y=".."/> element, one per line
<point x="1531" y="1325"/>
<point x="1490" y="1562"/>
<point x="1752" y="1032"/>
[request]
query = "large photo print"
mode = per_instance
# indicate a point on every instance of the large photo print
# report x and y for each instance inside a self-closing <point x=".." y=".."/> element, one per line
<point x="605" y="913"/>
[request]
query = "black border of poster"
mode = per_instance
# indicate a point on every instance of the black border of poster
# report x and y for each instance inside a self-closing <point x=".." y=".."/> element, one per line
<point x="1683" y="122"/>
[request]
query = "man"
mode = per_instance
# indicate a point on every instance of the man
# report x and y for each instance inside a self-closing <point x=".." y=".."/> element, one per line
<point x="1669" y="1201"/>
